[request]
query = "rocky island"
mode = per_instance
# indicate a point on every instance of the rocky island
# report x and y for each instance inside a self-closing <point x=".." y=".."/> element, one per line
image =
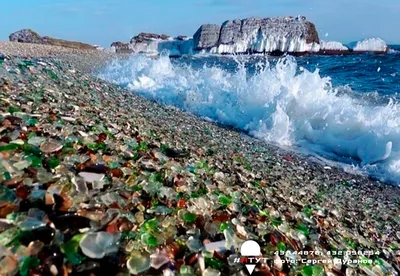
<point x="293" y="35"/>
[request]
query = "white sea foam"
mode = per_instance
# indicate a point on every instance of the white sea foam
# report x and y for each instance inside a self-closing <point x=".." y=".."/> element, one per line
<point x="262" y="43"/>
<point x="372" y="45"/>
<point x="276" y="104"/>
<point x="333" y="46"/>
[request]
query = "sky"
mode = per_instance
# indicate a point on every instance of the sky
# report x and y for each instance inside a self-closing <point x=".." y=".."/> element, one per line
<point x="102" y="22"/>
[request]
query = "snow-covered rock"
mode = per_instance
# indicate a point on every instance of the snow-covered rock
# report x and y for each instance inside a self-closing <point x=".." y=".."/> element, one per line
<point x="371" y="45"/>
<point x="258" y="35"/>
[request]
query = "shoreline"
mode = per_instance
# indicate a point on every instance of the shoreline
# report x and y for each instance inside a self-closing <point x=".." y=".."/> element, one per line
<point x="285" y="199"/>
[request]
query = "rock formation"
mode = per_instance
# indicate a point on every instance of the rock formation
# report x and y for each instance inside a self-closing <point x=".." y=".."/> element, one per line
<point x="258" y="35"/>
<point x="275" y="36"/>
<point x="206" y="37"/>
<point x="151" y="43"/>
<point x="121" y="47"/>
<point x="30" y="36"/>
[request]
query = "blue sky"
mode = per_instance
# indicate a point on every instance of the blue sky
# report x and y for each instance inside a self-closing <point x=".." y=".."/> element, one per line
<point x="104" y="21"/>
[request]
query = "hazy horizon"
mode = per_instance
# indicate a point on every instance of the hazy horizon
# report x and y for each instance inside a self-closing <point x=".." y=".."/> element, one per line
<point x="105" y="21"/>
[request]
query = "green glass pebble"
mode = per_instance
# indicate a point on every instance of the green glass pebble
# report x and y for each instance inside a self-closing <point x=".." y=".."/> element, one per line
<point x="151" y="241"/>
<point x="73" y="244"/>
<point x="74" y="258"/>
<point x="136" y="156"/>
<point x="70" y="249"/>
<point x="31" y="149"/>
<point x="281" y="246"/>
<point x="92" y="146"/>
<point x="379" y="262"/>
<point x="216" y="192"/>
<point x="198" y="193"/>
<point x="224" y="200"/>
<point x="128" y="235"/>
<point x="163" y="148"/>
<point x="36" y="161"/>
<point x="54" y="162"/>
<point x="27" y="264"/>
<point x="52" y="74"/>
<point x="276" y="221"/>
<point x="114" y="165"/>
<point x="317" y="270"/>
<point x="7" y="176"/>
<point x="156" y="177"/>
<point x="302" y="228"/>
<point x="307" y="211"/>
<point x="9" y="236"/>
<point x="186" y="270"/>
<point x="13" y="109"/>
<point x="189" y="218"/>
<point x="350" y="243"/>
<point x="214" y="263"/>
<point x="307" y="270"/>
<point x="32" y="121"/>
<point x="150" y="225"/>
<point x="13" y="216"/>
<point x="264" y="213"/>
<point x="223" y="226"/>
<point x="9" y="147"/>
<point x="6" y="194"/>
<point x="154" y="202"/>
<point x="142" y="146"/>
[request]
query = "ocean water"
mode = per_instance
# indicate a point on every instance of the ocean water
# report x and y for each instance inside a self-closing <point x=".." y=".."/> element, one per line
<point x="342" y="108"/>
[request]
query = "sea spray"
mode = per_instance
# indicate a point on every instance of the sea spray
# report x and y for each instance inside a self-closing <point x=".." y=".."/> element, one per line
<point x="275" y="102"/>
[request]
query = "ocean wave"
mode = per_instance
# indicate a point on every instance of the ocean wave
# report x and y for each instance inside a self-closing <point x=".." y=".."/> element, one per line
<point x="280" y="103"/>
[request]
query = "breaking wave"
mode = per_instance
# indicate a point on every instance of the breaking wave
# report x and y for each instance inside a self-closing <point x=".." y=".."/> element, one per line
<point x="281" y="103"/>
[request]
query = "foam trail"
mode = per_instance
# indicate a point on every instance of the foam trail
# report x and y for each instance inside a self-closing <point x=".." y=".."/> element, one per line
<point x="275" y="104"/>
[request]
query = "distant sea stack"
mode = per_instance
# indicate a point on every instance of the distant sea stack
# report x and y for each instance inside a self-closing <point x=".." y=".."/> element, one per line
<point x="258" y="35"/>
<point x="30" y="36"/>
